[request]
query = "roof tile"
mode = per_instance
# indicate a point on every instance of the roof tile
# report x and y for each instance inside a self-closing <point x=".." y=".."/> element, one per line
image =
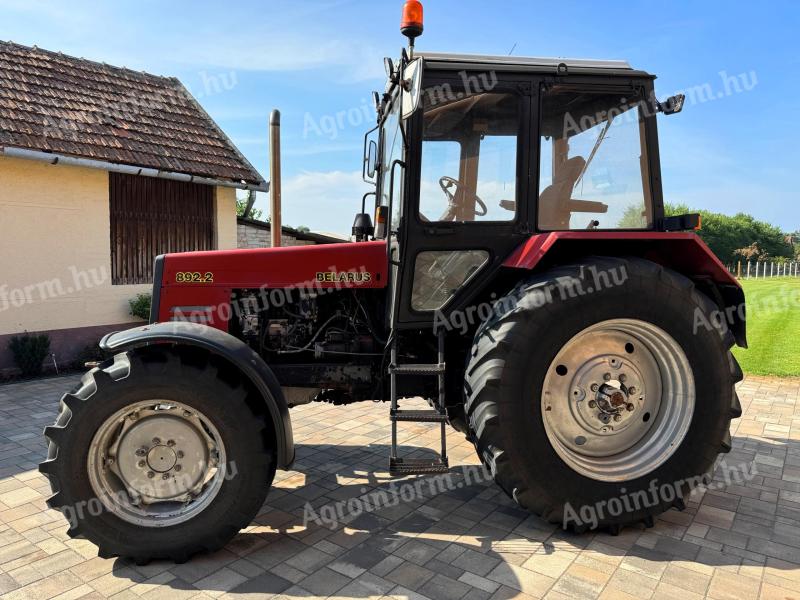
<point x="56" y="103"/>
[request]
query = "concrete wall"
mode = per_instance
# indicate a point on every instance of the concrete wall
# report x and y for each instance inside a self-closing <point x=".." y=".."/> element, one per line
<point x="55" y="256"/>
<point x="225" y="201"/>
<point x="250" y="236"/>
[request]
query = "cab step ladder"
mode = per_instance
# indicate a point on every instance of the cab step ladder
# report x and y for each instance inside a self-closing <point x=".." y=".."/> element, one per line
<point x="418" y="466"/>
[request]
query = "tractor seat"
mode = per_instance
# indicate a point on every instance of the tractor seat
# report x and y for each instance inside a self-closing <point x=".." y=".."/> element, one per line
<point x="554" y="201"/>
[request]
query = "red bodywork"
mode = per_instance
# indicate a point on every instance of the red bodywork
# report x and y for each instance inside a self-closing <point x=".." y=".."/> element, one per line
<point x="365" y="265"/>
<point x="684" y="252"/>
<point x="347" y="265"/>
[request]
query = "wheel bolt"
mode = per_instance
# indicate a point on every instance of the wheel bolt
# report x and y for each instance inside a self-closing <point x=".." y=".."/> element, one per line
<point x="630" y="407"/>
<point x="622" y="377"/>
<point x="141" y="464"/>
<point x="179" y="454"/>
<point x="150" y="474"/>
<point x="156" y="441"/>
<point x="631" y="390"/>
<point x="170" y="443"/>
<point x="595" y="387"/>
<point x="165" y="476"/>
<point x="178" y="467"/>
<point x="110" y="460"/>
<point x="618" y="418"/>
<point x="607" y="377"/>
<point x="141" y="451"/>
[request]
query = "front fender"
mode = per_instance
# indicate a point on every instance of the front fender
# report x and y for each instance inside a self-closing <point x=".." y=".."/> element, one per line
<point x="248" y="362"/>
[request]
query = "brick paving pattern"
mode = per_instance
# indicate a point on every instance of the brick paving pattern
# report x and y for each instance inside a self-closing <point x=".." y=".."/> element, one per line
<point x="467" y="542"/>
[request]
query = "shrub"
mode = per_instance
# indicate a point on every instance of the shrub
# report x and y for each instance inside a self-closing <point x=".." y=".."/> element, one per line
<point x="29" y="352"/>
<point x="140" y="306"/>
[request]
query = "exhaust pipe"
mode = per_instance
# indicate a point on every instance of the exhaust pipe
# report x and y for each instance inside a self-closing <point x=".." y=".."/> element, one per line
<point x="275" y="177"/>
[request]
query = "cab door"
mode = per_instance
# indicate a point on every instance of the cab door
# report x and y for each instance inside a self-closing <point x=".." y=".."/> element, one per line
<point x="466" y="200"/>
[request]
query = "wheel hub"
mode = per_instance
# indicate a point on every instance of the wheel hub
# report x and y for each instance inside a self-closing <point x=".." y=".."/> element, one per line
<point x="618" y="399"/>
<point x="156" y="463"/>
<point x="161" y="459"/>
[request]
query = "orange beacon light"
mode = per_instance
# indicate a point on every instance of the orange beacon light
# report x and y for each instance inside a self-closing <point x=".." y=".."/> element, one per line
<point x="411" y="24"/>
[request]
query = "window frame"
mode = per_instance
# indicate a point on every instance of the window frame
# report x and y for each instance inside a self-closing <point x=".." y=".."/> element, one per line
<point x="149" y="216"/>
<point x="520" y="214"/>
<point x="642" y="87"/>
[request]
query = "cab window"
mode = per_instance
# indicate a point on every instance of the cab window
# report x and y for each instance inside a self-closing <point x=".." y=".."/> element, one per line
<point x="469" y="157"/>
<point x="593" y="169"/>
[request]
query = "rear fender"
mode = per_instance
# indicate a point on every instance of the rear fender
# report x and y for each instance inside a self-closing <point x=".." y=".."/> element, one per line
<point x="233" y="350"/>
<point x="683" y="252"/>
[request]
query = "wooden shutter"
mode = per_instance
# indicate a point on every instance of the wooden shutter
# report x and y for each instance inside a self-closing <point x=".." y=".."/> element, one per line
<point x="152" y="216"/>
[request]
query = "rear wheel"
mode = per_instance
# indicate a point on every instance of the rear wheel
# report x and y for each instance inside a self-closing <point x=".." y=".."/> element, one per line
<point x="158" y="455"/>
<point x="594" y="396"/>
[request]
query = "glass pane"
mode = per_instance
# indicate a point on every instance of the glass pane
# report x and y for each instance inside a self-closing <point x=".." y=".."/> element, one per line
<point x="438" y="275"/>
<point x="593" y="162"/>
<point x="469" y="157"/>
<point x="392" y="149"/>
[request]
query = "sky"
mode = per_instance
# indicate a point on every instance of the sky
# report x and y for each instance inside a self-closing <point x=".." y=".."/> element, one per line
<point x="734" y="148"/>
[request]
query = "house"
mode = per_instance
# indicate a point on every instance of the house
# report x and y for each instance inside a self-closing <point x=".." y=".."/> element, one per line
<point x="253" y="233"/>
<point x="101" y="169"/>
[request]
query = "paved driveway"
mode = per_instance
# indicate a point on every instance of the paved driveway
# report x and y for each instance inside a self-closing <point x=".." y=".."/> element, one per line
<point x="458" y="538"/>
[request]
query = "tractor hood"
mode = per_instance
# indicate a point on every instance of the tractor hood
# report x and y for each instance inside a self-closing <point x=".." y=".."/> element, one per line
<point x="198" y="282"/>
<point x="352" y="264"/>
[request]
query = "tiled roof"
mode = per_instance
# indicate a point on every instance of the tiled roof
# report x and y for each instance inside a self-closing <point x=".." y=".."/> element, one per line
<point x="55" y="103"/>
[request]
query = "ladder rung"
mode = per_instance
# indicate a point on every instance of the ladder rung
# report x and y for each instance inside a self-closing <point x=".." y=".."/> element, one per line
<point x="419" y="416"/>
<point x="417" y="466"/>
<point x="418" y="369"/>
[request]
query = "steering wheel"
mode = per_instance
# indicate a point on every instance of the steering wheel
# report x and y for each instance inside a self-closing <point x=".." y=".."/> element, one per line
<point x="446" y="183"/>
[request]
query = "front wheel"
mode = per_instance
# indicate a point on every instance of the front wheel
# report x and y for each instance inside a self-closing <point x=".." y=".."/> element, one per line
<point x="595" y="398"/>
<point x="158" y="455"/>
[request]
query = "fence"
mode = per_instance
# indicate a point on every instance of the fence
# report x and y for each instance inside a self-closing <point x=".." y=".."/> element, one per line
<point x="759" y="269"/>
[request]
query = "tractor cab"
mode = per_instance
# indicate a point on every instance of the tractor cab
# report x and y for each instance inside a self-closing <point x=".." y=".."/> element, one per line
<point x="473" y="154"/>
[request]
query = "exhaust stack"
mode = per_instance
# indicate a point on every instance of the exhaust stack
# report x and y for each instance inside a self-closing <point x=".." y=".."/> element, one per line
<point x="275" y="177"/>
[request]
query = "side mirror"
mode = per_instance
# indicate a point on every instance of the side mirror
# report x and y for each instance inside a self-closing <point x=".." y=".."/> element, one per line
<point x="672" y="105"/>
<point x="371" y="159"/>
<point x="411" y="83"/>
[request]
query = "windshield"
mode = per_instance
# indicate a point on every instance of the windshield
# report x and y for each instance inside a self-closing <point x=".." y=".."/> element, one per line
<point x="593" y="169"/>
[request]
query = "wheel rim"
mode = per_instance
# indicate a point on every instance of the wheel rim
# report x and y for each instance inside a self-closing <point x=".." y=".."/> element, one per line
<point x="618" y="399"/>
<point x="156" y="463"/>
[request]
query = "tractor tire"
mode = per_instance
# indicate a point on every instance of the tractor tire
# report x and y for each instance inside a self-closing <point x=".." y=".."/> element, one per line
<point x="559" y="431"/>
<point x="158" y="455"/>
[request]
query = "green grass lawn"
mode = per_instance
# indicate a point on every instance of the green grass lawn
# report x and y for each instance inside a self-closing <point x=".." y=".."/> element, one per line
<point x="773" y="327"/>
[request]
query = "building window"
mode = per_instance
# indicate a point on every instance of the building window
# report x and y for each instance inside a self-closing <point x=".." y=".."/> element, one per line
<point x="152" y="216"/>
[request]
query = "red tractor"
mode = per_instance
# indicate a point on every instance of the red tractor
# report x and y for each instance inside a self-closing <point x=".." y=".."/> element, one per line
<point x="520" y="273"/>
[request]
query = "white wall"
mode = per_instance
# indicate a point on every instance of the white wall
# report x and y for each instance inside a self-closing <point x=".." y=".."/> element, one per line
<point x="55" y="257"/>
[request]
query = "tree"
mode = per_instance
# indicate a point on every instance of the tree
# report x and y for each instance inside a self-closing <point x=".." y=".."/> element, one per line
<point x="255" y="213"/>
<point x="726" y="234"/>
<point x="751" y="252"/>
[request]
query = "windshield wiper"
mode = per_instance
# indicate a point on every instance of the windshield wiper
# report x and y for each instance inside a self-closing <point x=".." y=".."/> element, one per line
<point x="597" y="143"/>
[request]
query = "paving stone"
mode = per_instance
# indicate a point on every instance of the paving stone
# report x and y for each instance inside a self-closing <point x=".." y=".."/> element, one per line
<point x="730" y="586"/>
<point x="686" y="579"/>
<point x="266" y="583"/>
<point x="469" y="543"/>
<point x="440" y="587"/>
<point x="409" y="575"/>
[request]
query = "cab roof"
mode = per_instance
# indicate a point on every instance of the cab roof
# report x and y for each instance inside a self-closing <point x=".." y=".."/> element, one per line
<point x="585" y="66"/>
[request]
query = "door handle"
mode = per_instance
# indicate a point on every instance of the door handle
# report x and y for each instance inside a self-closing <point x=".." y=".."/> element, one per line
<point x="440" y="230"/>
